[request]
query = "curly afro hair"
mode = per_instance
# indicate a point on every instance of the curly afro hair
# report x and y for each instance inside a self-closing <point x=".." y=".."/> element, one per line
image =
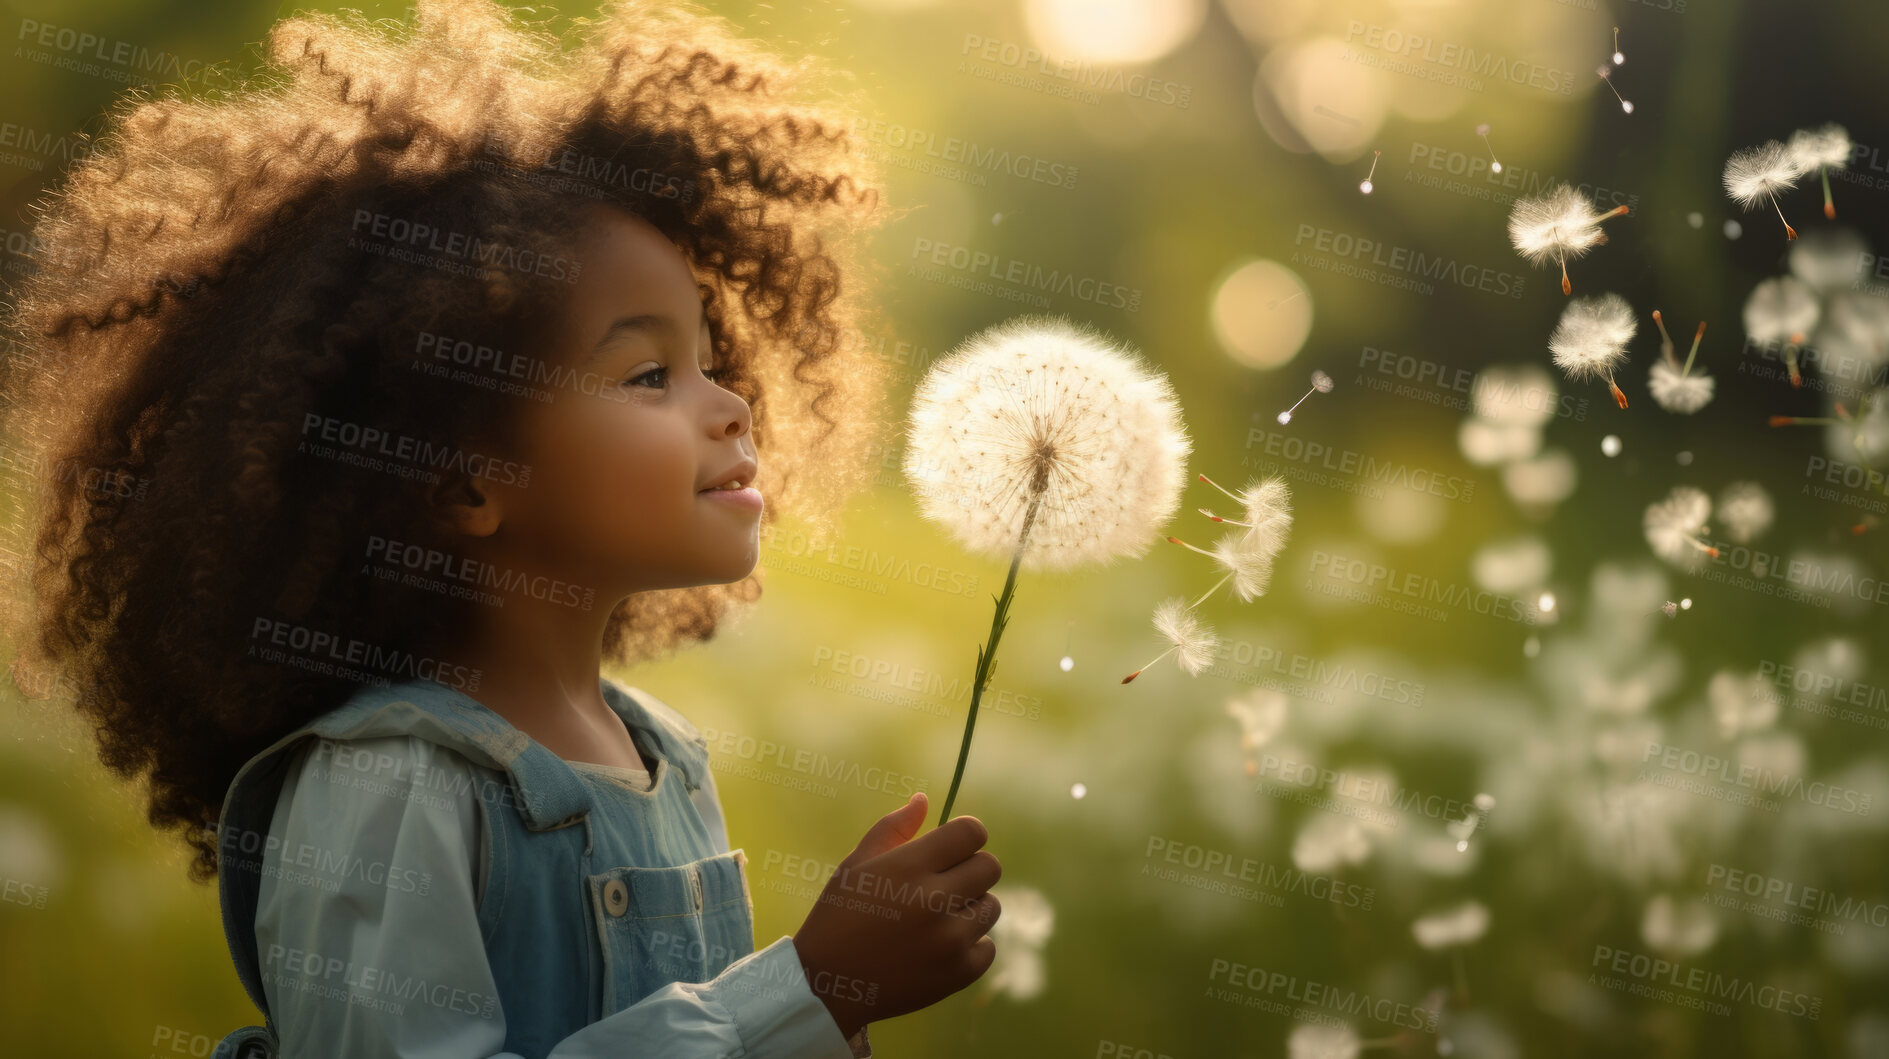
<point x="201" y="289"/>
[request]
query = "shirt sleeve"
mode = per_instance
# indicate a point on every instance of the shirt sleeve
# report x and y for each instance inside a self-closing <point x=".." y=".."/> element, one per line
<point x="368" y="936"/>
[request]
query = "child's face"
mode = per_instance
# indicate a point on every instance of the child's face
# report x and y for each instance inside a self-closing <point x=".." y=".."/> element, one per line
<point x="614" y="497"/>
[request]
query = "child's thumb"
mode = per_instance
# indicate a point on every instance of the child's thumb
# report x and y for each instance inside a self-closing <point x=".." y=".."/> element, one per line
<point x="894" y="829"/>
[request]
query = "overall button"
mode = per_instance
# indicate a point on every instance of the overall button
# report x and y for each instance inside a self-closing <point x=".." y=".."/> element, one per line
<point x="616" y="897"/>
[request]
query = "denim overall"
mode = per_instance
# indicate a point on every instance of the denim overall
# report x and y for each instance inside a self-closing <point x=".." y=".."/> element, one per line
<point x="587" y="903"/>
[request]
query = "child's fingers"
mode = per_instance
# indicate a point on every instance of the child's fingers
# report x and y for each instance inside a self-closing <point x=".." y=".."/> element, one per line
<point x="893" y="830"/>
<point x="973" y="875"/>
<point x="947" y="844"/>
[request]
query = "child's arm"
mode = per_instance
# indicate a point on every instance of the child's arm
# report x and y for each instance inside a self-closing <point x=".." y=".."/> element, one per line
<point x="317" y="933"/>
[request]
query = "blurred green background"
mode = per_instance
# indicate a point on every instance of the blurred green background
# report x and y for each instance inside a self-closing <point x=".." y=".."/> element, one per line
<point x="1182" y="142"/>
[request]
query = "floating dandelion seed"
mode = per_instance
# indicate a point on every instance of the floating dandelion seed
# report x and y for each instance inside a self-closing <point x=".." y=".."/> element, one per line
<point x="1078" y="790"/>
<point x="1260" y="713"/>
<point x="1761" y="172"/>
<point x="1744" y="511"/>
<point x="1606" y="74"/>
<point x="1782" y="309"/>
<point x="1669" y="608"/>
<point x="1674" y="386"/>
<point x="1451" y="927"/>
<point x="1559" y="226"/>
<point x="1321" y="383"/>
<point x="1822" y="149"/>
<point x="1591" y="339"/>
<point x="1866" y="433"/>
<point x="1310" y="1040"/>
<point x="1675" y="527"/>
<point x="1046" y="442"/>
<point x="1190" y="640"/>
<point x="1610" y="445"/>
<point x="1618" y="58"/>
<point x="1365" y="185"/>
<point x="1019" y="970"/>
<point x="1483" y="131"/>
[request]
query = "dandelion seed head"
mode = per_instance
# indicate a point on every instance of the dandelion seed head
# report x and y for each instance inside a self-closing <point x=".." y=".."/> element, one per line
<point x="1451" y="927"/>
<point x="1673" y="525"/>
<point x="1194" y="641"/>
<point x="1826" y="147"/>
<point x="1755" y="174"/>
<point x="1779" y="308"/>
<point x="1321" y="382"/>
<point x="1482" y="129"/>
<point x="1311" y="1040"/>
<point x="1591" y="339"/>
<point x="1676" y="392"/>
<point x="1559" y="226"/>
<point x="1039" y="404"/>
<point x="1744" y="511"/>
<point x="1285" y="417"/>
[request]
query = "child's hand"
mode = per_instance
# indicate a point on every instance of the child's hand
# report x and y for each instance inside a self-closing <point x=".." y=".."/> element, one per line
<point x="902" y="924"/>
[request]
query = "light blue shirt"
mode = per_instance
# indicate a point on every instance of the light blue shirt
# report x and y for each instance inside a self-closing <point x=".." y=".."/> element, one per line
<point x="365" y="887"/>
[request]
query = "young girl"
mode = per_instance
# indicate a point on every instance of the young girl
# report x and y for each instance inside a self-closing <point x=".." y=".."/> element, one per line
<point x="383" y="401"/>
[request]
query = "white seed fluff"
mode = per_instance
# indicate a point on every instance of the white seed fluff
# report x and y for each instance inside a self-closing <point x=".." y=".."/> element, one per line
<point x="1676" y="392"/>
<point x="1673" y="524"/>
<point x="1825" y="147"/>
<point x="1591" y="339"/>
<point x="1779" y="308"/>
<point x="1194" y="640"/>
<point x="1559" y="226"/>
<point x="1756" y="174"/>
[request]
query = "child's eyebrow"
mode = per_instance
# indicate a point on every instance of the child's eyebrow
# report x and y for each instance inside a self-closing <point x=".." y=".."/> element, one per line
<point x="640" y="322"/>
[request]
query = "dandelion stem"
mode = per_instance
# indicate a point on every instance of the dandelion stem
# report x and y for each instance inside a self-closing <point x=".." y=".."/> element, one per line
<point x="986" y="658"/>
<point x="1665" y="340"/>
<point x="1223" y="489"/>
<point x="1789" y="232"/>
<point x="1151" y="661"/>
<point x="1687" y="370"/>
<point x="1209" y="592"/>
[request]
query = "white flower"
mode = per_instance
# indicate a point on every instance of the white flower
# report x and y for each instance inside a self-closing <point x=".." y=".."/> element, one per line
<point x="1020" y="933"/>
<point x="1744" y="511"/>
<point x="1780" y="309"/>
<point x="1591" y="339"/>
<point x="1039" y="409"/>
<point x="1740" y="704"/>
<point x="1673" y="527"/>
<point x="1452" y="926"/>
<point x="1556" y="227"/>
<point x="1761" y="172"/>
<point x="1676" y="391"/>
<point x="1682" y="928"/>
<point x="1311" y="1040"/>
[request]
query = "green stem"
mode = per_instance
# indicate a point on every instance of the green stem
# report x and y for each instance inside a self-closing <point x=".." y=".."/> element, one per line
<point x="986" y="656"/>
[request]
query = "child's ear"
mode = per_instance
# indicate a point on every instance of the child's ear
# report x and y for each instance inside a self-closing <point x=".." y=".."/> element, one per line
<point x="459" y="505"/>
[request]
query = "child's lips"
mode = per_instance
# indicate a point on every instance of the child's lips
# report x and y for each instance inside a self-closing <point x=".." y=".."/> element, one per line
<point x="747" y="496"/>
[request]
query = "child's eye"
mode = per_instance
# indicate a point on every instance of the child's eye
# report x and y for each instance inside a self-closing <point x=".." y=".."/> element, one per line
<point x="715" y="374"/>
